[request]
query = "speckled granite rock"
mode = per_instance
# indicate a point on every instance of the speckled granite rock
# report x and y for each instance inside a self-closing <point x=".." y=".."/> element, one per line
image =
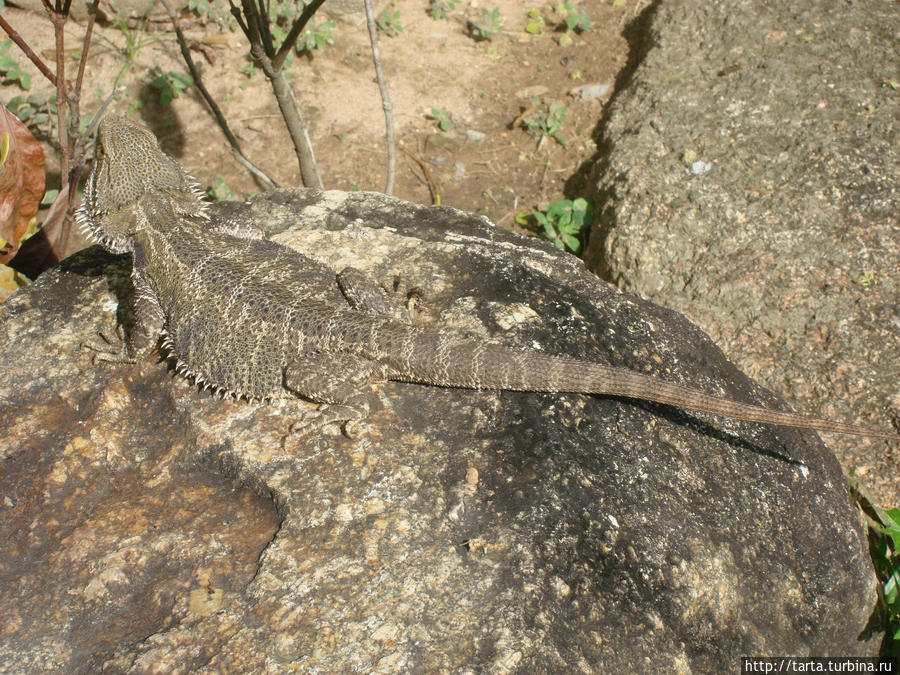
<point x="748" y="177"/>
<point x="148" y="527"/>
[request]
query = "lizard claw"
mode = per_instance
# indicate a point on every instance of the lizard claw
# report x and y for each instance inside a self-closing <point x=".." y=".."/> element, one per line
<point x="345" y="415"/>
<point x="112" y="348"/>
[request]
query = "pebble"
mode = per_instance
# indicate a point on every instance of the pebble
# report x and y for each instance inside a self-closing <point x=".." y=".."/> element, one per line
<point x="700" y="167"/>
<point x="595" y="91"/>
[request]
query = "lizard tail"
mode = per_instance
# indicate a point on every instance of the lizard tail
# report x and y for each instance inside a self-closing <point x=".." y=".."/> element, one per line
<point x="476" y="365"/>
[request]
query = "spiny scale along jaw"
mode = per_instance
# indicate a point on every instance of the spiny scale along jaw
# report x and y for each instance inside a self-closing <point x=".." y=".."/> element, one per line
<point x="128" y="166"/>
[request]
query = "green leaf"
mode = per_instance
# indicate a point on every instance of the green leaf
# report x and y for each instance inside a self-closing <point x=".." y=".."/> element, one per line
<point x="892" y="527"/>
<point x="4" y="148"/>
<point x="892" y="588"/>
<point x="49" y="197"/>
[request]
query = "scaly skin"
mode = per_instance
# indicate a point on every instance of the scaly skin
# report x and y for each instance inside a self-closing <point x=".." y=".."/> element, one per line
<point x="254" y="319"/>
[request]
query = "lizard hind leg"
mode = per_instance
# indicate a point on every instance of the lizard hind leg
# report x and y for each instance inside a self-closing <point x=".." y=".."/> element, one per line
<point x="364" y="293"/>
<point x="339" y="381"/>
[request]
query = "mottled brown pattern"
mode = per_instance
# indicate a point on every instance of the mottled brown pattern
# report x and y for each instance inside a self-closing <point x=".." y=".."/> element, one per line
<point x="251" y="318"/>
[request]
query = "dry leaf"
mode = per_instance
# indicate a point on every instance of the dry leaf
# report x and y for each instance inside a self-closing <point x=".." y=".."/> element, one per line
<point x="21" y="182"/>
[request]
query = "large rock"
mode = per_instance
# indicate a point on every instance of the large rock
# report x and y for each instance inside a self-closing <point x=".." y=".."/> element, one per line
<point x="749" y="179"/>
<point x="149" y="527"/>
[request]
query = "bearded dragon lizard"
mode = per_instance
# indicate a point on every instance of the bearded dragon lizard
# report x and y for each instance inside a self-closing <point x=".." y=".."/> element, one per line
<point x="253" y="319"/>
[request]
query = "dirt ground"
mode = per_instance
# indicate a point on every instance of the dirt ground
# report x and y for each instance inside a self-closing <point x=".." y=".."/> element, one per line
<point x="432" y="63"/>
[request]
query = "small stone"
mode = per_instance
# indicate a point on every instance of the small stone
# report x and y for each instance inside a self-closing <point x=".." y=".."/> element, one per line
<point x="594" y="91"/>
<point x="700" y="167"/>
<point x="475" y="136"/>
<point x="532" y="91"/>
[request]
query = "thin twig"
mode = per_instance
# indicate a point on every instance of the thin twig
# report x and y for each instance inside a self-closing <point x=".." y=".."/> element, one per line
<point x="432" y="186"/>
<point x="216" y="111"/>
<point x="265" y="33"/>
<point x="385" y="99"/>
<point x="256" y="29"/>
<point x="312" y="155"/>
<point x="236" y="13"/>
<point x="79" y="146"/>
<point x="34" y="58"/>
<point x="62" y="105"/>
<point x="89" y="30"/>
<point x="294" y="32"/>
<point x="99" y="114"/>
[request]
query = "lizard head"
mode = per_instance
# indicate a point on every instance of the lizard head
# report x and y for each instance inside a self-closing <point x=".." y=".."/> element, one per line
<point x="130" y="168"/>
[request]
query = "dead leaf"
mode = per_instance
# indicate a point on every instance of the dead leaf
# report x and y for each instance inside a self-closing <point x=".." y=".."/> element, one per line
<point x="21" y="182"/>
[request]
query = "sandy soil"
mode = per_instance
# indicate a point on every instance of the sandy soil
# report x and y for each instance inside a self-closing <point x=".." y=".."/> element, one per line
<point x="483" y="85"/>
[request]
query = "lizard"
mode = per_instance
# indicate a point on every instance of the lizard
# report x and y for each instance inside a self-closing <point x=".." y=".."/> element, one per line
<point x="250" y="318"/>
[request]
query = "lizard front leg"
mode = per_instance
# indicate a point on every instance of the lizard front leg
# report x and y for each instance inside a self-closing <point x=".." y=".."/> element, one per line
<point x="340" y="381"/>
<point x="149" y="321"/>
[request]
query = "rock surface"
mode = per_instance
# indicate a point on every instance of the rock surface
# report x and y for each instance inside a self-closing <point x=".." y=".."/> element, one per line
<point x="787" y="250"/>
<point x="148" y="527"/>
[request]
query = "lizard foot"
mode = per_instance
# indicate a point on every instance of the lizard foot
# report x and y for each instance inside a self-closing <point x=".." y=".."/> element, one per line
<point x="346" y="415"/>
<point x="363" y="292"/>
<point x="112" y="348"/>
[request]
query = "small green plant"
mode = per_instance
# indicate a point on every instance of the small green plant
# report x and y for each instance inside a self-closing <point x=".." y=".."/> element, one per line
<point x="169" y="85"/>
<point x="217" y="11"/>
<point x="134" y="37"/>
<point x="576" y="18"/>
<point x="249" y="69"/>
<point x="547" y="121"/>
<point x="442" y="117"/>
<point x="37" y="112"/>
<point x="886" y="555"/>
<point x="282" y="15"/>
<point x="9" y="69"/>
<point x="563" y="222"/>
<point x="575" y="21"/>
<point x="317" y="37"/>
<point x="867" y="279"/>
<point x="439" y="9"/>
<point x="536" y="22"/>
<point x="389" y="23"/>
<point x="488" y="26"/>
<point x="220" y="192"/>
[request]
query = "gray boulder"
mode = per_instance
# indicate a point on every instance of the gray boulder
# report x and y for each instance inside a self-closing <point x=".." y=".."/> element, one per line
<point x="148" y="526"/>
<point x="748" y="178"/>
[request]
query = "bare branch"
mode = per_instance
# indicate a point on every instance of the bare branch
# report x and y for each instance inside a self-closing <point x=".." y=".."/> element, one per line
<point x="62" y="105"/>
<point x="265" y="29"/>
<point x="291" y="38"/>
<point x="99" y="114"/>
<point x="92" y="15"/>
<point x="236" y="13"/>
<point x="429" y="179"/>
<point x="385" y="99"/>
<point x="34" y="58"/>
<point x="216" y="111"/>
<point x="257" y="30"/>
